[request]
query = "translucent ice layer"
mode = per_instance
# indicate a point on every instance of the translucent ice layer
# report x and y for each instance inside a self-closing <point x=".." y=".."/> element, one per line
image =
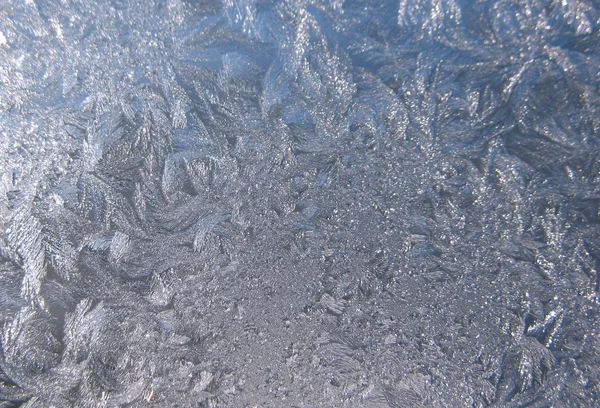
<point x="299" y="203"/>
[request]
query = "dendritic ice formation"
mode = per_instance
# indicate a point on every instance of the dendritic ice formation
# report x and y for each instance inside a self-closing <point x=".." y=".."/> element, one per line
<point x="297" y="203"/>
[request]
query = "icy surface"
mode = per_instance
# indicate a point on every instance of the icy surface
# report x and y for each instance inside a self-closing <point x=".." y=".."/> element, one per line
<point x="299" y="203"/>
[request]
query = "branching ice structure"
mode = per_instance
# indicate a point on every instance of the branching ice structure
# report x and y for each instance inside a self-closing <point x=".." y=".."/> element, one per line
<point x="299" y="203"/>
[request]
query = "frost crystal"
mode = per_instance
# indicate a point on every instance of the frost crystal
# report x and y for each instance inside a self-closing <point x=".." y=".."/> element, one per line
<point x="299" y="203"/>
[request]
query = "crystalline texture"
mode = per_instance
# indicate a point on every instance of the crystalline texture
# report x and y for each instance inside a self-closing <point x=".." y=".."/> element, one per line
<point x="299" y="203"/>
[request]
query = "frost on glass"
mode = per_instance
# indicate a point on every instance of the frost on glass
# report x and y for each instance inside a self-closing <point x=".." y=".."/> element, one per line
<point x="299" y="203"/>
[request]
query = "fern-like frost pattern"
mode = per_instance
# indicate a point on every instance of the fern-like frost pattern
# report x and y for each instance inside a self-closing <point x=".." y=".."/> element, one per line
<point x="336" y="203"/>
